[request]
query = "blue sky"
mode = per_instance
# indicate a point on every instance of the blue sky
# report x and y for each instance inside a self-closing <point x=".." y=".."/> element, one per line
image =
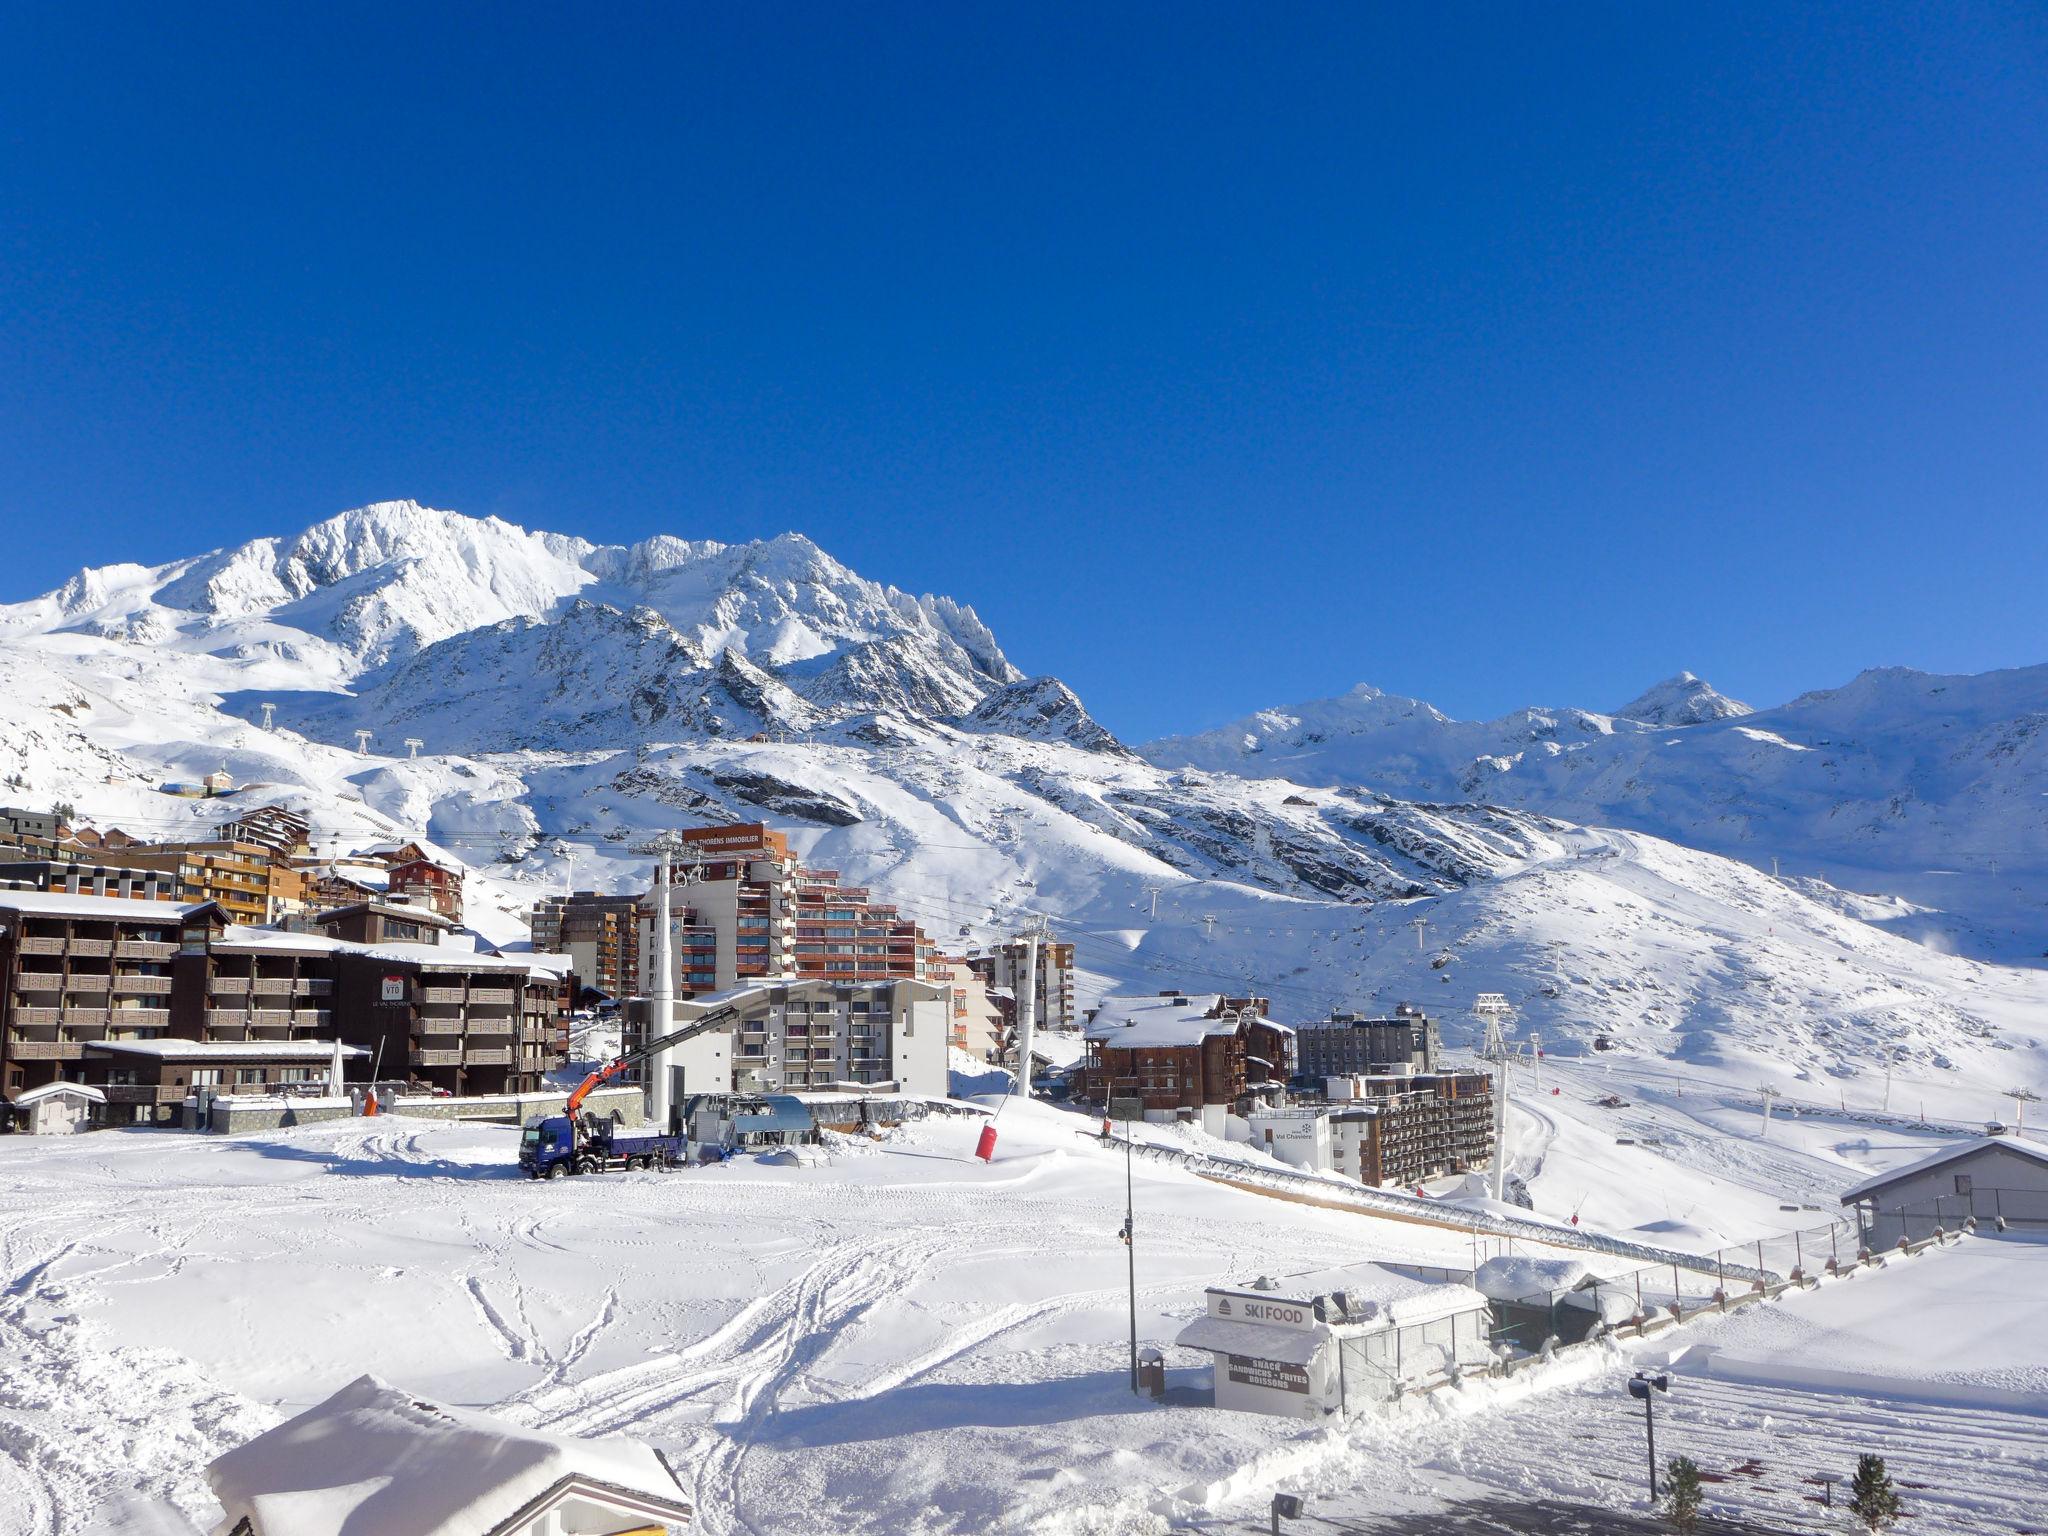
<point x="1219" y="356"/>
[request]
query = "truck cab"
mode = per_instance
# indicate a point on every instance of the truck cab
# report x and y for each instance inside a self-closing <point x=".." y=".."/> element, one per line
<point x="547" y="1146"/>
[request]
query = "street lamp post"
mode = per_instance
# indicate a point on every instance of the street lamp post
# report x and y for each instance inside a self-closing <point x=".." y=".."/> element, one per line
<point x="1131" y="1250"/>
<point x="1640" y="1386"/>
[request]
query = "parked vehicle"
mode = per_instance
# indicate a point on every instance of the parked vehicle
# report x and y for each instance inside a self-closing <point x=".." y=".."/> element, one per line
<point x="574" y="1142"/>
<point x="553" y="1145"/>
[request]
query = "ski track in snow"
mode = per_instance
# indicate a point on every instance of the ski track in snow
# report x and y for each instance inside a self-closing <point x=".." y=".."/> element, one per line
<point x="819" y="1330"/>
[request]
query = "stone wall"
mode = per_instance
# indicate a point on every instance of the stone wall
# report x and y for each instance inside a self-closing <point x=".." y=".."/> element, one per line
<point x="234" y="1114"/>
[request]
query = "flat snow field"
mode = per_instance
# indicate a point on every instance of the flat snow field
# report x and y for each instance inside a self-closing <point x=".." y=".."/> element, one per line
<point x="900" y="1340"/>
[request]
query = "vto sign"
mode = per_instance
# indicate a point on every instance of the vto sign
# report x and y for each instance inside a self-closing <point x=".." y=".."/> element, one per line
<point x="1250" y="1307"/>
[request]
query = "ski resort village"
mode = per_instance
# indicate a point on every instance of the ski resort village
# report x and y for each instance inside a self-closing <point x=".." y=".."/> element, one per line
<point x="506" y="1034"/>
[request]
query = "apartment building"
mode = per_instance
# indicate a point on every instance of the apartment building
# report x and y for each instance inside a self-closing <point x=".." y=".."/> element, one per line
<point x="1349" y="1043"/>
<point x="977" y="1023"/>
<point x="1412" y="1128"/>
<point x="391" y="921"/>
<point x="87" y="971"/>
<point x="146" y="1082"/>
<point x="744" y="908"/>
<point x="237" y="985"/>
<point x="425" y="883"/>
<point x="1179" y="1051"/>
<point x="599" y="934"/>
<point x="1398" y="1129"/>
<point x="796" y="1036"/>
<point x="287" y="834"/>
<point x="81" y="969"/>
<point x="29" y="829"/>
<point x="238" y="876"/>
<point x="450" y="1019"/>
<point x="1003" y="968"/>
<point x="85" y="877"/>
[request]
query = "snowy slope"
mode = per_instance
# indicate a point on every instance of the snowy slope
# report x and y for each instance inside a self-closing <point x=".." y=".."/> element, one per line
<point x="903" y="1339"/>
<point x="1930" y="788"/>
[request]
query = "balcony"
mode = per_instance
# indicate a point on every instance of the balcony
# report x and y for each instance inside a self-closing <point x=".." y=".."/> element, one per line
<point x="39" y="981"/>
<point x="45" y="1050"/>
<point x="437" y="1058"/>
<point x="155" y="984"/>
<point x="488" y="1056"/>
<point x="430" y="1025"/>
<point x="314" y="986"/>
<point x="440" y="994"/>
<point x="138" y="1018"/>
<point x="90" y="981"/>
<point x="492" y="997"/>
<point x="36" y="1015"/>
<point x="71" y="1016"/>
<point x="278" y="1018"/>
<point x="271" y="986"/>
<point x="311" y="1018"/>
<point x="141" y="1093"/>
<point x="483" y="1026"/>
<point x="92" y="946"/>
<point x="42" y="946"/>
<point x="230" y="986"/>
<point x="143" y="949"/>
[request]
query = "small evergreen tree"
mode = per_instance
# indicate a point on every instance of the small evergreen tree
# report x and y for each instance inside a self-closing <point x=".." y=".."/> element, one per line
<point x="1872" y="1498"/>
<point x="1682" y="1493"/>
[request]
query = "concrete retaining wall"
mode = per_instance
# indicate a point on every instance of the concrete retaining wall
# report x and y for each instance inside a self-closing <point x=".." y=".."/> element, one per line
<point x="232" y="1115"/>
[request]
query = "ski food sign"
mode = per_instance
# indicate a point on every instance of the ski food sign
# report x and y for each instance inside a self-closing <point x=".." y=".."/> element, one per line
<point x="1273" y="1312"/>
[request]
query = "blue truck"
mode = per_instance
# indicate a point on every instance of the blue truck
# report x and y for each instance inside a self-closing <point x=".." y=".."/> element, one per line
<point x="576" y="1142"/>
<point x="553" y="1145"/>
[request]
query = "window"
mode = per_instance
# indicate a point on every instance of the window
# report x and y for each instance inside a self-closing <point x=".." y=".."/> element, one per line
<point x="1962" y="1184"/>
<point x="248" y="1074"/>
<point x="206" y="1077"/>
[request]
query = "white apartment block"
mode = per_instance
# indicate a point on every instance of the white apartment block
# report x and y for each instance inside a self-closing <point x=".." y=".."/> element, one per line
<point x="797" y="1036"/>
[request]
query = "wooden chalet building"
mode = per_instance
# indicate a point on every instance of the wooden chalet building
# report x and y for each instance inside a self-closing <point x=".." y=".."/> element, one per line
<point x="1178" y="1051"/>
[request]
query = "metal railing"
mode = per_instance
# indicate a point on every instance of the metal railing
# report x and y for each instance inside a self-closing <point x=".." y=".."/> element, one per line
<point x="1333" y="1189"/>
<point x="1913" y="1223"/>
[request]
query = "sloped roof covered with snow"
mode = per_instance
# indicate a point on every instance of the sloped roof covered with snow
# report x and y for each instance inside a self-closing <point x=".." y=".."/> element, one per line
<point x="58" y="904"/>
<point x="374" y="1459"/>
<point x="1147" y="1021"/>
<point x="1948" y="1154"/>
<point x="165" y="1048"/>
<point x="1291" y="1346"/>
<point x="60" y="1089"/>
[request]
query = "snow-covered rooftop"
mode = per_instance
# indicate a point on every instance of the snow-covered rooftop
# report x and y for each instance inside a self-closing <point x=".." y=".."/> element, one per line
<point x="397" y="909"/>
<point x="57" y="1090"/>
<point x="239" y="937"/>
<point x="58" y="904"/>
<point x="373" y="1458"/>
<point x="1947" y="1154"/>
<point x="167" y="1049"/>
<point x="1179" y="1019"/>
<point x="441" y="957"/>
<point x="1374" y="1294"/>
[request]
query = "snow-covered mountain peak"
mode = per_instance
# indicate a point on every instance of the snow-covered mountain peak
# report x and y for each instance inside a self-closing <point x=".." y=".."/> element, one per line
<point x="1682" y="700"/>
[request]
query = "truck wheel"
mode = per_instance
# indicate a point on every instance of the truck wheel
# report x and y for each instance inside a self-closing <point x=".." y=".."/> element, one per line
<point x="642" y="1164"/>
<point x="555" y="1171"/>
<point x="589" y="1165"/>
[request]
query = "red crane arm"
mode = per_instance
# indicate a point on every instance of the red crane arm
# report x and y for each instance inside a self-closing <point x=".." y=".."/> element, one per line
<point x="596" y="1079"/>
<point x="717" y="1018"/>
